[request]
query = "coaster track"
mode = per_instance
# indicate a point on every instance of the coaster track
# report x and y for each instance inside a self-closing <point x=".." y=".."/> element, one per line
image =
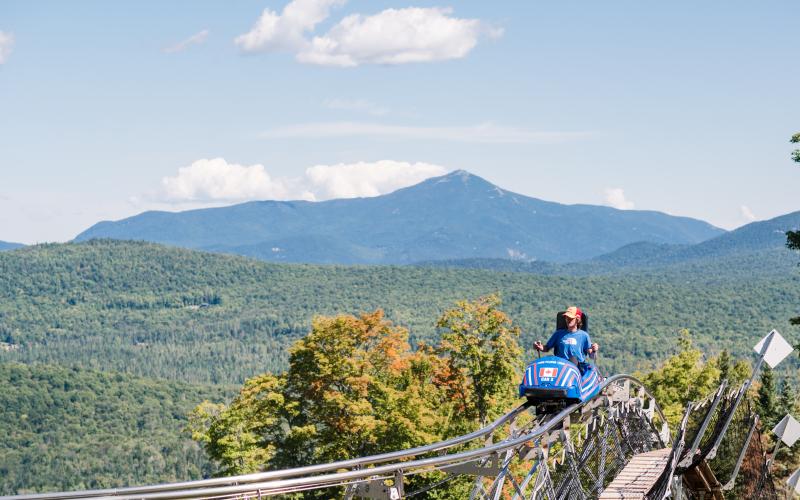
<point x="574" y="453"/>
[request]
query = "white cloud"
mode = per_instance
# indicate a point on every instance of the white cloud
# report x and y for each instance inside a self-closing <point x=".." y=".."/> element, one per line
<point x="6" y="45"/>
<point x="393" y="36"/>
<point x="195" y="39"/>
<point x="367" y="179"/>
<point x="216" y="181"/>
<point x="747" y="213"/>
<point x="615" y="197"/>
<point x="359" y="105"/>
<point x="286" y="31"/>
<point x="483" y="133"/>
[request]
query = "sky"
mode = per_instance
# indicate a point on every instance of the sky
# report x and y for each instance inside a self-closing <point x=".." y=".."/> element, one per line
<point x="109" y="109"/>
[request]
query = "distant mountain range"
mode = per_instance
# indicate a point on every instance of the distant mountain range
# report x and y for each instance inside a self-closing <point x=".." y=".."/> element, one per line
<point x="456" y="216"/>
<point x="757" y="245"/>
<point x="5" y="245"/>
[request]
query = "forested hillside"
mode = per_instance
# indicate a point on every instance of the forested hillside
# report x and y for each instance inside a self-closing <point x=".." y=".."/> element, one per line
<point x="139" y="309"/>
<point x="67" y="428"/>
<point x="183" y="315"/>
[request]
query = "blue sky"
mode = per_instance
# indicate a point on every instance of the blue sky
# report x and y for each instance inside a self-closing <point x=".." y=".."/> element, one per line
<point x="108" y="109"/>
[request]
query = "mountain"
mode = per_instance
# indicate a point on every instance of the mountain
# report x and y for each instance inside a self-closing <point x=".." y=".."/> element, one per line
<point x="455" y="216"/>
<point x="5" y="245"/>
<point x="758" y="246"/>
<point x="756" y="237"/>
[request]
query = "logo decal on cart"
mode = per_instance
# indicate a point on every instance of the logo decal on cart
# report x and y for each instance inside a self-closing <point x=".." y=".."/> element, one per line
<point x="546" y="372"/>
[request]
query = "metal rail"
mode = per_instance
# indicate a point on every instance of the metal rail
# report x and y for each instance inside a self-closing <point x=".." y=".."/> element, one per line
<point x="280" y="474"/>
<point x="310" y="477"/>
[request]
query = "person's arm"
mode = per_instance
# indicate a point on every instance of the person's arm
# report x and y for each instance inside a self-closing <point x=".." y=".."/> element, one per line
<point x="588" y="346"/>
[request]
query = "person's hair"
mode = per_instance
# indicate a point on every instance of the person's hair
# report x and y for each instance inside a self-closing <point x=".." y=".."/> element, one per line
<point x="580" y="321"/>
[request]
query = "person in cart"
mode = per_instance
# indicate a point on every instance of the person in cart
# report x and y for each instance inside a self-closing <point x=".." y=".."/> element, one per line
<point x="570" y="341"/>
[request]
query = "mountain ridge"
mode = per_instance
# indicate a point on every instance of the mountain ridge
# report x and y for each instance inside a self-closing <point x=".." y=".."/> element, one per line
<point x="762" y="242"/>
<point x="8" y="245"/>
<point x="458" y="215"/>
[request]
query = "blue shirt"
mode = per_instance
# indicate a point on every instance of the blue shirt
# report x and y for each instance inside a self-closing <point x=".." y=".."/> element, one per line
<point x="569" y="345"/>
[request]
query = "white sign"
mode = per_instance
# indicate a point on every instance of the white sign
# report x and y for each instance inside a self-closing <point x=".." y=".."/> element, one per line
<point x="794" y="481"/>
<point x="777" y="350"/>
<point x="788" y="430"/>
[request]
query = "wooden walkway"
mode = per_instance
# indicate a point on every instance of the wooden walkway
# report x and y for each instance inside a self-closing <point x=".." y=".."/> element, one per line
<point x="636" y="479"/>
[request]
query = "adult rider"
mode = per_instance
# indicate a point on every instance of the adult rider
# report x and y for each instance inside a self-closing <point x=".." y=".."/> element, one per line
<point x="572" y="342"/>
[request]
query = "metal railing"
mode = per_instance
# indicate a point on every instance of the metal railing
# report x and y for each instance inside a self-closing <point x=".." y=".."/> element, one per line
<point x="382" y="476"/>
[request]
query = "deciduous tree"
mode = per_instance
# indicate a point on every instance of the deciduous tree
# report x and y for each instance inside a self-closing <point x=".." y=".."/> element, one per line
<point x="482" y="352"/>
<point x="682" y="378"/>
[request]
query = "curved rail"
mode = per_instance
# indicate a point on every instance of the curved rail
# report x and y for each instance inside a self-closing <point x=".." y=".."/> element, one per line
<point x="302" y="478"/>
<point x="284" y="473"/>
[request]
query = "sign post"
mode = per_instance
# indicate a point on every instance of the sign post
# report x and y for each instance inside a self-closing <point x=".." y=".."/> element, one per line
<point x="788" y="432"/>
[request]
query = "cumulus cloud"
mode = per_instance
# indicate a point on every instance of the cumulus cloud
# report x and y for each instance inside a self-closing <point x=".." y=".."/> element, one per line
<point x="218" y="180"/>
<point x="367" y="179"/>
<point x="360" y="105"/>
<point x="214" y="181"/>
<point x="6" y="45"/>
<point x="483" y="133"/>
<point x="393" y="36"/>
<point x="195" y="39"/>
<point x="286" y="31"/>
<point x="615" y="197"/>
<point x="747" y="213"/>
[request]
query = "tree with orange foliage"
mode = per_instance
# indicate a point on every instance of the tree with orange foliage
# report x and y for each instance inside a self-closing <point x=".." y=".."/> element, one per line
<point x="353" y="388"/>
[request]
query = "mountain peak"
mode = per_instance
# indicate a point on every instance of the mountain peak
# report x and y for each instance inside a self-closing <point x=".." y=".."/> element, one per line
<point x="459" y="176"/>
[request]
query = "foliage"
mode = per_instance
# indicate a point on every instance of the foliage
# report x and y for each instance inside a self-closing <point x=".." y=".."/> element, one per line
<point x="481" y="350"/>
<point x="140" y="308"/>
<point x="793" y="237"/>
<point x="766" y="399"/>
<point x="682" y="378"/>
<point x="136" y="309"/>
<point x="735" y="373"/>
<point x="68" y="428"/>
<point x="353" y="388"/>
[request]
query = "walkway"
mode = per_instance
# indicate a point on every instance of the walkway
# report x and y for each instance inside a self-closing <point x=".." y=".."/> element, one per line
<point x="636" y="479"/>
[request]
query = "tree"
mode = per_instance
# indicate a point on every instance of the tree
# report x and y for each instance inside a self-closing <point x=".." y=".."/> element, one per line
<point x="787" y="399"/>
<point x="682" y="378"/>
<point x="353" y="388"/>
<point x="734" y="373"/>
<point x="483" y="356"/>
<point x="793" y="237"/>
<point x="766" y="403"/>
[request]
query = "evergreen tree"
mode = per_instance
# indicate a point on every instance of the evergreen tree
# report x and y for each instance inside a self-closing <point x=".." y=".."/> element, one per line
<point x="766" y="402"/>
<point x="725" y="368"/>
<point x="787" y="400"/>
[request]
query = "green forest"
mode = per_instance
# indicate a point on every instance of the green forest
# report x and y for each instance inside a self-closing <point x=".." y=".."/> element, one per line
<point x="177" y="314"/>
<point x="68" y="428"/>
<point x="108" y="346"/>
